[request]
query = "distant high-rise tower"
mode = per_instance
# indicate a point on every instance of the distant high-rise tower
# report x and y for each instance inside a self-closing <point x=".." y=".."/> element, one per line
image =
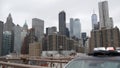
<point x="8" y="26"/>
<point x="104" y="15"/>
<point x="7" y="43"/>
<point x="71" y="27"/>
<point x="17" y="39"/>
<point x="95" y="25"/>
<point x="38" y="25"/>
<point x="1" y="37"/>
<point x="77" y="29"/>
<point x="62" y="23"/>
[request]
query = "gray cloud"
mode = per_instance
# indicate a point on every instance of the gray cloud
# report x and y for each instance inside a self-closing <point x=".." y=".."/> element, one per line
<point x="48" y="11"/>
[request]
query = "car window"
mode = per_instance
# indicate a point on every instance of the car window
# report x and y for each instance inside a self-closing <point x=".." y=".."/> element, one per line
<point x="93" y="64"/>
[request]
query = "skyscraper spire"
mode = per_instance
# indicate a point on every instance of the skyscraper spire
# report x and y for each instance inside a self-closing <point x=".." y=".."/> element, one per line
<point x="9" y="18"/>
<point x="9" y="23"/>
<point x="25" y="26"/>
<point x="9" y="15"/>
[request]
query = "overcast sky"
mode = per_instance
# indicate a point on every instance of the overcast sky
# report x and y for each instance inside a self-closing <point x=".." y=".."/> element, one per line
<point x="48" y="10"/>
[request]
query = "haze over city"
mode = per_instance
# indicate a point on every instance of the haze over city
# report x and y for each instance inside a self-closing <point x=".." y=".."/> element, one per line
<point x="48" y="11"/>
<point x="59" y="34"/>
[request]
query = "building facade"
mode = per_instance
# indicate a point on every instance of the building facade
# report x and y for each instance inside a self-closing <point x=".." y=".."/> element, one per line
<point x="35" y="49"/>
<point x="60" y="42"/>
<point x="1" y="37"/>
<point x="38" y="25"/>
<point x="104" y="38"/>
<point x="51" y="30"/>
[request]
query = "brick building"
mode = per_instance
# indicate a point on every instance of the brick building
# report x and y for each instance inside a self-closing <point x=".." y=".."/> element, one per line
<point x="104" y="37"/>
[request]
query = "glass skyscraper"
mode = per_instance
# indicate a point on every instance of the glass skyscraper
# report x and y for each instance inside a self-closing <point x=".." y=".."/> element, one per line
<point x="62" y="23"/>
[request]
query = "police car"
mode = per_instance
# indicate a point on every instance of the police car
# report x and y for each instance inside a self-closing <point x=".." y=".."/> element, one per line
<point x="98" y="59"/>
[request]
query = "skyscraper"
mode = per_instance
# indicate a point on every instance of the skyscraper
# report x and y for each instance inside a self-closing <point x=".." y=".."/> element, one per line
<point x="62" y="23"/>
<point x="1" y="37"/>
<point x="38" y="25"/>
<point x="71" y="27"/>
<point x="7" y="43"/>
<point x="8" y="26"/>
<point x="95" y="25"/>
<point x="17" y="39"/>
<point x="104" y="15"/>
<point x="77" y="29"/>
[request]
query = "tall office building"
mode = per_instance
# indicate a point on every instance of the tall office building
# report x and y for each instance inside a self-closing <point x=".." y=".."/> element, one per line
<point x="95" y="25"/>
<point x="17" y="39"/>
<point x="7" y="43"/>
<point x="104" y="15"/>
<point x="8" y="26"/>
<point x="38" y="25"/>
<point x="71" y="27"/>
<point x="77" y="29"/>
<point x="62" y="23"/>
<point x="1" y="37"/>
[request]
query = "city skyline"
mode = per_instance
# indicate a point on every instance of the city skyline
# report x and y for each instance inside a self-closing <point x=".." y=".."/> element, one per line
<point x="25" y="10"/>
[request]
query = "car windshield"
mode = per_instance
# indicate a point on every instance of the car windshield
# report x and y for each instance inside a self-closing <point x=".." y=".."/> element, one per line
<point x="93" y="64"/>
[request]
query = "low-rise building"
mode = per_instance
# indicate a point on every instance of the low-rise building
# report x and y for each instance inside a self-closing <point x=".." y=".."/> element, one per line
<point x="35" y="49"/>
